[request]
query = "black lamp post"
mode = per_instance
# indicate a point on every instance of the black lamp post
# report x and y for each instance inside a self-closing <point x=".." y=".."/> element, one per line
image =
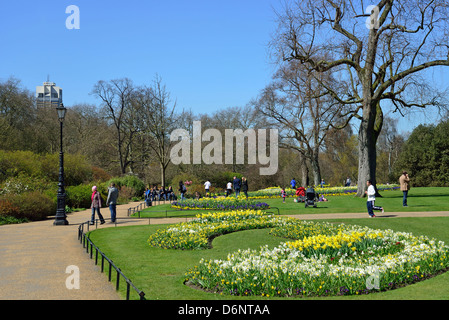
<point x="61" y="217"/>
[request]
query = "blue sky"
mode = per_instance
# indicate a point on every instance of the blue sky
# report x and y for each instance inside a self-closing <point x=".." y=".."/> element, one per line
<point x="210" y="54"/>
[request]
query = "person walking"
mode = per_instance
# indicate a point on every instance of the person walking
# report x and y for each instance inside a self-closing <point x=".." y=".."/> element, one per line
<point x="404" y="181"/>
<point x="371" y="193"/>
<point x="148" y="196"/>
<point x="283" y="194"/>
<point x="96" y="205"/>
<point x="293" y="183"/>
<point x="237" y="185"/>
<point x="182" y="189"/>
<point x="111" y="201"/>
<point x="348" y="182"/>
<point x="245" y="187"/>
<point x="207" y="186"/>
<point x="228" y="189"/>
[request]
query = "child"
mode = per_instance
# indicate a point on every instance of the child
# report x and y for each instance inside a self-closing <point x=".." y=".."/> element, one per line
<point x="284" y="194"/>
<point x="371" y="192"/>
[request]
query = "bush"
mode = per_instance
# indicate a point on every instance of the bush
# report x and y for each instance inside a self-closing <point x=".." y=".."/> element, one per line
<point x="14" y="162"/>
<point x="130" y="181"/>
<point x="78" y="196"/>
<point x="23" y="183"/>
<point x="100" y="175"/>
<point x="45" y="167"/>
<point x="125" y="194"/>
<point x="33" y="206"/>
<point x="7" y="209"/>
<point x="11" y="220"/>
<point x="220" y="179"/>
<point x="76" y="168"/>
<point x="81" y="196"/>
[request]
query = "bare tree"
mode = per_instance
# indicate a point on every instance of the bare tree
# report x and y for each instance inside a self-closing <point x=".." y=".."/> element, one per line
<point x="157" y="120"/>
<point x="379" y="50"/>
<point x="116" y="98"/>
<point x="305" y="113"/>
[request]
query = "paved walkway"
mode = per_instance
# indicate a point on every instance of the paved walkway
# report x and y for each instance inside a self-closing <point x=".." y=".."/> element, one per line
<point x="34" y="256"/>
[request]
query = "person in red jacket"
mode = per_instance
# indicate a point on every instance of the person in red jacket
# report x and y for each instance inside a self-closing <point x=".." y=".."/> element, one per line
<point x="301" y="194"/>
<point x="96" y="205"/>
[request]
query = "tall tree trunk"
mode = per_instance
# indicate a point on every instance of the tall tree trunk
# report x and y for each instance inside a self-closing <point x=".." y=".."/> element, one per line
<point x="315" y="168"/>
<point x="367" y="151"/>
<point x="163" y="167"/>
<point x="304" y="171"/>
<point x="371" y="109"/>
<point x="369" y="131"/>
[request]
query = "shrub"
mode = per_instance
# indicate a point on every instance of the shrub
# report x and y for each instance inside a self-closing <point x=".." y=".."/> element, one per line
<point x="125" y="194"/>
<point x="99" y="174"/>
<point x="11" y="220"/>
<point x="32" y="206"/>
<point x="80" y="196"/>
<point x="23" y="183"/>
<point x="13" y="162"/>
<point x="7" y="209"/>
<point x="130" y="181"/>
<point x="46" y="167"/>
<point x="220" y="179"/>
<point x="76" y="168"/>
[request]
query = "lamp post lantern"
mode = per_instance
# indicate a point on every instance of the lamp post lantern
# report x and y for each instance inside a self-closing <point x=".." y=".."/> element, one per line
<point x="61" y="217"/>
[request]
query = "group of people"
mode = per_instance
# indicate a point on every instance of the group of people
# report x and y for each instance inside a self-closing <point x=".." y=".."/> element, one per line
<point x="238" y="185"/>
<point x="404" y="182"/>
<point x="301" y="192"/>
<point x="161" y="194"/>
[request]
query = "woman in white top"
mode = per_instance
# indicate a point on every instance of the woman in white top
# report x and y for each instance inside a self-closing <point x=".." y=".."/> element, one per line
<point x="371" y="193"/>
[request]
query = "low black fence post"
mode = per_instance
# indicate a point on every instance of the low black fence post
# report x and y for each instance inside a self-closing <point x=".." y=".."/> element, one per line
<point x="84" y="239"/>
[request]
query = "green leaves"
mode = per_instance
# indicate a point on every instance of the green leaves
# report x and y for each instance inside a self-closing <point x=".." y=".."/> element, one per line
<point x="426" y="156"/>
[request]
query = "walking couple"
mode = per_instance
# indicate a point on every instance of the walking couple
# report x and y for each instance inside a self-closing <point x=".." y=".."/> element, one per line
<point x="111" y="202"/>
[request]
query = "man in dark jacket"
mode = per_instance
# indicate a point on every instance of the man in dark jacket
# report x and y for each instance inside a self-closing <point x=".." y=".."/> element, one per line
<point x="236" y="183"/>
<point x="112" y="201"/>
<point x="245" y="187"/>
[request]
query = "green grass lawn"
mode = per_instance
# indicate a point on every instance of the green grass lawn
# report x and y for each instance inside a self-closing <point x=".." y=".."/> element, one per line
<point x="160" y="273"/>
<point x="419" y="200"/>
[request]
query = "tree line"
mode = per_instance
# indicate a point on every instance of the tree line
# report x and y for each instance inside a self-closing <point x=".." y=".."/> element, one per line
<point x="337" y="65"/>
<point x="130" y="133"/>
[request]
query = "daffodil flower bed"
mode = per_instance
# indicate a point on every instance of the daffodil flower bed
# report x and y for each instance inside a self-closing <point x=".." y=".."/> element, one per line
<point x="197" y="233"/>
<point x="220" y="203"/>
<point x="275" y="192"/>
<point x="320" y="260"/>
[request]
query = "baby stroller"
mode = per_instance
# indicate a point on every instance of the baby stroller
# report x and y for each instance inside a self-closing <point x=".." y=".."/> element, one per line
<point x="310" y="197"/>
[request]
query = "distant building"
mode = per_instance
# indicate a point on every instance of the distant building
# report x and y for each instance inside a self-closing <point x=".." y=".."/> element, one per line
<point x="48" y="95"/>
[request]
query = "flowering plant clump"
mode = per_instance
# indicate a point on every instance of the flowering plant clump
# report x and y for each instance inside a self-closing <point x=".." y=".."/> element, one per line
<point x="324" y="260"/>
<point x="275" y="192"/>
<point x="196" y="234"/>
<point x="220" y="203"/>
